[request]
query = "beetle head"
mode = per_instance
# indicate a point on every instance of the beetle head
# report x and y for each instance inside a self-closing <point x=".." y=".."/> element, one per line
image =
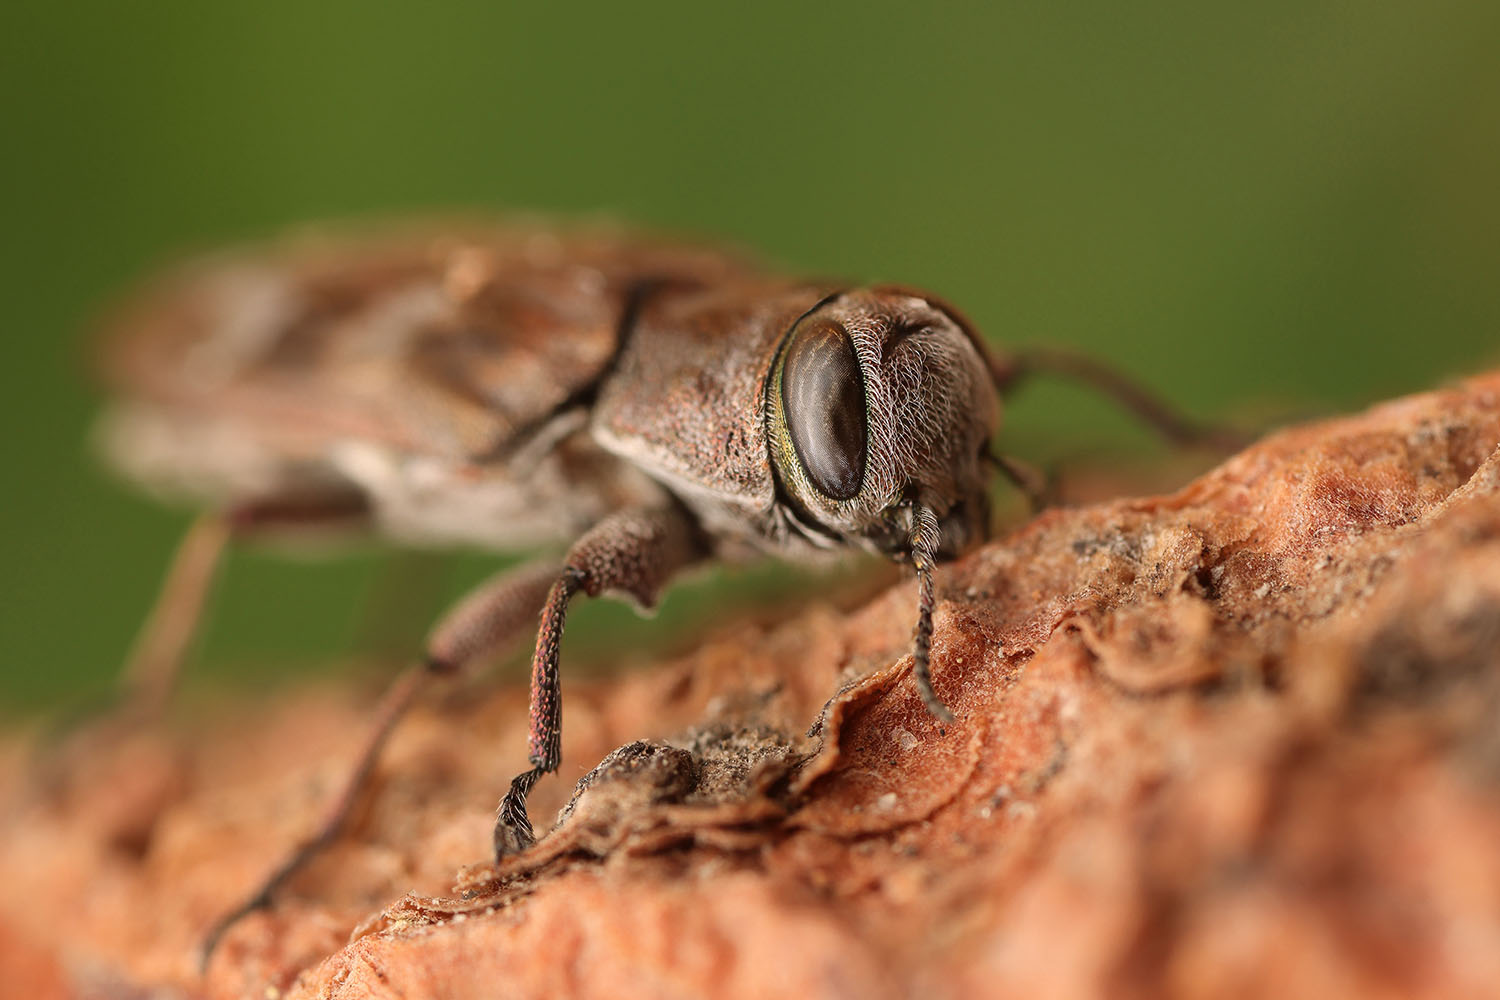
<point x="880" y="406"/>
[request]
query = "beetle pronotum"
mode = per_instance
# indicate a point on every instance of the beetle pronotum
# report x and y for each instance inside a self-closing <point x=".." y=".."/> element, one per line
<point x="651" y="404"/>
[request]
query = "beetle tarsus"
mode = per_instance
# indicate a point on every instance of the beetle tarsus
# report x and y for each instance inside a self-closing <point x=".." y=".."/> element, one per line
<point x="513" y="833"/>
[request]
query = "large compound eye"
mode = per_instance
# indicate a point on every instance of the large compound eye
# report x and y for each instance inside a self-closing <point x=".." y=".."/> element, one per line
<point x="823" y="401"/>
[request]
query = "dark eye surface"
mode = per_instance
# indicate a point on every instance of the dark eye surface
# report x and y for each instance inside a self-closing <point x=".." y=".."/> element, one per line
<point x="823" y="399"/>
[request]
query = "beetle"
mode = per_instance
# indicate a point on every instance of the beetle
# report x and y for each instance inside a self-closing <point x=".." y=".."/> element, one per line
<point x="649" y="404"/>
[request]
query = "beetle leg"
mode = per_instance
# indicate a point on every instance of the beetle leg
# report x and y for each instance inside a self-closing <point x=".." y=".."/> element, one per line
<point x="479" y="624"/>
<point x="150" y="675"/>
<point x="400" y="606"/>
<point x="153" y="668"/>
<point x="634" y="551"/>
<point x="1039" y="488"/>
<point x="1144" y="404"/>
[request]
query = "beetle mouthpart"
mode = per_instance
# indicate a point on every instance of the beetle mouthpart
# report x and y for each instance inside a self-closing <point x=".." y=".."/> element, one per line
<point x="925" y="537"/>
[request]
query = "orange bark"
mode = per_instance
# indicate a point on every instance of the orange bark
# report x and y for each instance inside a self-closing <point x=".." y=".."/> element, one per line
<point x="1242" y="740"/>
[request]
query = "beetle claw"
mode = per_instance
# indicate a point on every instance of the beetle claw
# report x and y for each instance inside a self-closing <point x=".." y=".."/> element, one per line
<point x="513" y="832"/>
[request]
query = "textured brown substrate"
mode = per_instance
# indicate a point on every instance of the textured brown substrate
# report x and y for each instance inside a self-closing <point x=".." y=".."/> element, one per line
<point x="1243" y="740"/>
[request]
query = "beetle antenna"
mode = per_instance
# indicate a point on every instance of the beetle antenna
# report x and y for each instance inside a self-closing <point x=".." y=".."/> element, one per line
<point x="924" y="538"/>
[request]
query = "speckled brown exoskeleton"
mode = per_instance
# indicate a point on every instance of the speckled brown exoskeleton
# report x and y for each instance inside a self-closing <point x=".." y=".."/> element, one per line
<point x="647" y="404"/>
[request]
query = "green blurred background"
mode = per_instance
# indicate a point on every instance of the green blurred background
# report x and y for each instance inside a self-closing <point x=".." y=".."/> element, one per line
<point x="1286" y="204"/>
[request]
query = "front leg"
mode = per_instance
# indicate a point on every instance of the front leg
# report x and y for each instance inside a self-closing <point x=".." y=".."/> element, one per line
<point x="635" y="552"/>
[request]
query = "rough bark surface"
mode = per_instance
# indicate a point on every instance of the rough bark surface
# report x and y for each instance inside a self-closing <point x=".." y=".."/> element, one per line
<point x="1239" y="741"/>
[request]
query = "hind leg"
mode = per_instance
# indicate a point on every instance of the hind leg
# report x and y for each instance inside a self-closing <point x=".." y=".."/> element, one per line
<point x="153" y="669"/>
<point x="152" y="673"/>
<point x="498" y="610"/>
